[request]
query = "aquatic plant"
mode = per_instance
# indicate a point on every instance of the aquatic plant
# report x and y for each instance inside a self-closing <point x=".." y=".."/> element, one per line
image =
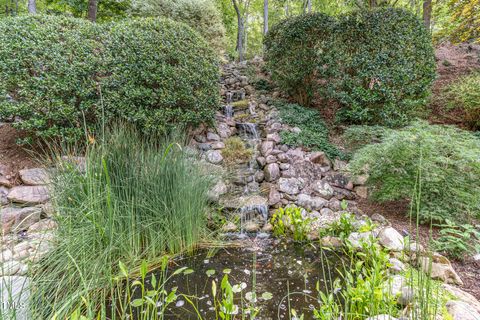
<point x="290" y="221"/>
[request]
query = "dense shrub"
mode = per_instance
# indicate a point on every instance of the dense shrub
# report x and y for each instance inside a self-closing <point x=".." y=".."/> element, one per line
<point x="465" y="93"/>
<point x="313" y="132"/>
<point x="437" y="165"/>
<point x="299" y="54"/>
<point x="388" y="66"/>
<point x="60" y="75"/>
<point x="201" y="15"/>
<point x="162" y="73"/>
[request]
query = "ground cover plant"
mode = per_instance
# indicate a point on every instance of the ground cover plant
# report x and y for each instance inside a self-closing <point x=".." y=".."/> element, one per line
<point x="465" y="94"/>
<point x="449" y="161"/>
<point x="313" y="132"/>
<point x="139" y="199"/>
<point x="63" y="76"/>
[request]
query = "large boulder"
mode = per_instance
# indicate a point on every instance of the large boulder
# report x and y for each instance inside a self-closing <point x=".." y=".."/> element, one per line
<point x="441" y="269"/>
<point x="272" y="172"/>
<point x="311" y="203"/>
<point x="290" y="186"/>
<point x="460" y="310"/>
<point x="391" y="239"/>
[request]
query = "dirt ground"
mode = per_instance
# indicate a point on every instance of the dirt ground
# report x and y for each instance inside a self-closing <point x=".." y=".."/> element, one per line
<point x="12" y="156"/>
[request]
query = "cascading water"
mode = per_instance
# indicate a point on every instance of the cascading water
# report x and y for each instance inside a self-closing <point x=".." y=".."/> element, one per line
<point x="228" y="107"/>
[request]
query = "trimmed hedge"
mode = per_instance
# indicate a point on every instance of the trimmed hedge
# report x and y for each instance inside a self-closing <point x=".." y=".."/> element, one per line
<point x="380" y="63"/>
<point x="60" y="75"/>
<point x="388" y="66"/>
<point x="299" y="54"/>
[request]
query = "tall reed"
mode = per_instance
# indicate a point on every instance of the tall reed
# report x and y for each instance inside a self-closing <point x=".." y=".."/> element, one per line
<point x="139" y="198"/>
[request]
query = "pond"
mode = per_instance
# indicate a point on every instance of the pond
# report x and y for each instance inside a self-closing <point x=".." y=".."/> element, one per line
<point x="271" y="276"/>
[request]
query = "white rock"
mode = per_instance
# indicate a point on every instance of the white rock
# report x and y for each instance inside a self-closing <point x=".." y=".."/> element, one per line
<point x="35" y="176"/>
<point x="290" y="185"/>
<point x="15" y="291"/>
<point x="10" y="268"/>
<point x="356" y="239"/>
<point x="441" y="269"/>
<point x="214" y="156"/>
<point x="29" y="194"/>
<point x="460" y="310"/>
<point x="391" y="239"/>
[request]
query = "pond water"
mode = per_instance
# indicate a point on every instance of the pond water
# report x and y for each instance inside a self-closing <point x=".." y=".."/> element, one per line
<point x="282" y="277"/>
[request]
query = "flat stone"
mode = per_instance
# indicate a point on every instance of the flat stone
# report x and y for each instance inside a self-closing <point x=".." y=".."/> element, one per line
<point x="218" y="145"/>
<point x="35" y="176"/>
<point x="274" y="196"/>
<point x="396" y="266"/>
<point x="10" y="268"/>
<point x="320" y="158"/>
<point x="42" y="226"/>
<point x="15" y="291"/>
<point x="213" y="136"/>
<point x="311" y="203"/>
<point x="275" y="137"/>
<point x="5" y="182"/>
<point x="29" y="194"/>
<point x="463" y="296"/>
<point x="18" y="219"/>
<point x="391" y="239"/>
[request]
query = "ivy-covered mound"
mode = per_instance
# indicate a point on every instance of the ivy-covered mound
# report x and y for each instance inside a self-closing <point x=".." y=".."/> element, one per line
<point x="299" y="54"/>
<point x="62" y="75"/>
<point x="379" y="63"/>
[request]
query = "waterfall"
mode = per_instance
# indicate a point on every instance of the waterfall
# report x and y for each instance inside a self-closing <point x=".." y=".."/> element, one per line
<point x="228" y="109"/>
<point x="249" y="130"/>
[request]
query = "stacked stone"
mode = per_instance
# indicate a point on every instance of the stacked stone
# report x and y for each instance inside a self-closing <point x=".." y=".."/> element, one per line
<point x="27" y="227"/>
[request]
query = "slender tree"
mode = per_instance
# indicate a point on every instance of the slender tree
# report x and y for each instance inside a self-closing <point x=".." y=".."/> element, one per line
<point x="427" y="13"/>
<point x="32" y="6"/>
<point x="240" y="30"/>
<point x="92" y="10"/>
<point x="265" y="17"/>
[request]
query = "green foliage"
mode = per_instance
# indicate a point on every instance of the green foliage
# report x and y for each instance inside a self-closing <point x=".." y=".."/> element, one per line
<point x="235" y="151"/>
<point x="458" y="240"/>
<point x="299" y="53"/>
<point x="61" y="76"/>
<point x="289" y="221"/>
<point x="465" y="93"/>
<point x="202" y="15"/>
<point x="314" y="132"/>
<point x="387" y="66"/>
<point x="140" y="198"/>
<point x="357" y="136"/>
<point x="440" y="165"/>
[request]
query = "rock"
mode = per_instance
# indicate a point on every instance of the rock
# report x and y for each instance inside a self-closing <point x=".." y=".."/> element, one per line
<point x="441" y="269"/>
<point x="406" y="296"/>
<point x="310" y="203"/>
<point x="395" y="284"/>
<point x="43" y="225"/>
<point x="219" y="189"/>
<point x="15" y="291"/>
<point x="80" y="163"/>
<point x="251" y="226"/>
<point x="213" y="136"/>
<point x="360" y="180"/>
<point x="274" y="196"/>
<point x="334" y="204"/>
<point x="296" y="154"/>
<point x="460" y="310"/>
<point x="218" y="145"/>
<point x="396" y="266"/>
<point x="229" y="227"/>
<point x="18" y="219"/>
<point x="271" y="159"/>
<point x="290" y="185"/>
<point x="320" y="158"/>
<point x="275" y="137"/>
<point x="282" y="157"/>
<point x="272" y="172"/>
<point x="338" y="180"/>
<point x="376" y="217"/>
<point x="29" y="194"/>
<point x="323" y="189"/>
<point x="267" y="227"/>
<point x="3" y="195"/>
<point x="259" y="176"/>
<point x="463" y="296"/>
<point x="391" y="239"/>
<point x="261" y="161"/>
<point x="5" y="182"/>
<point x="356" y="239"/>
<point x="339" y="165"/>
<point x="200" y="138"/>
<point x="266" y="148"/>
<point x="382" y="317"/>
<point x="35" y="176"/>
<point x="296" y="130"/>
<point x="284" y="166"/>
<point x="6" y="255"/>
<point x="223" y="130"/>
<point x="10" y="268"/>
<point x="361" y="191"/>
<point x="214" y="156"/>
<point x="204" y="146"/>
<point x="331" y="242"/>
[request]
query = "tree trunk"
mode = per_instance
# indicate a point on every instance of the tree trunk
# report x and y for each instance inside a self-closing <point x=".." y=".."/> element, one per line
<point x="265" y="17"/>
<point x="427" y="13"/>
<point x="309" y="6"/>
<point x="32" y="6"/>
<point x="92" y="10"/>
<point x="240" y="31"/>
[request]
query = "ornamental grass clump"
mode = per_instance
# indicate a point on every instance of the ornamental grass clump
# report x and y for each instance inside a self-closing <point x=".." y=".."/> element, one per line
<point x="448" y="159"/>
<point x="139" y="199"/>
